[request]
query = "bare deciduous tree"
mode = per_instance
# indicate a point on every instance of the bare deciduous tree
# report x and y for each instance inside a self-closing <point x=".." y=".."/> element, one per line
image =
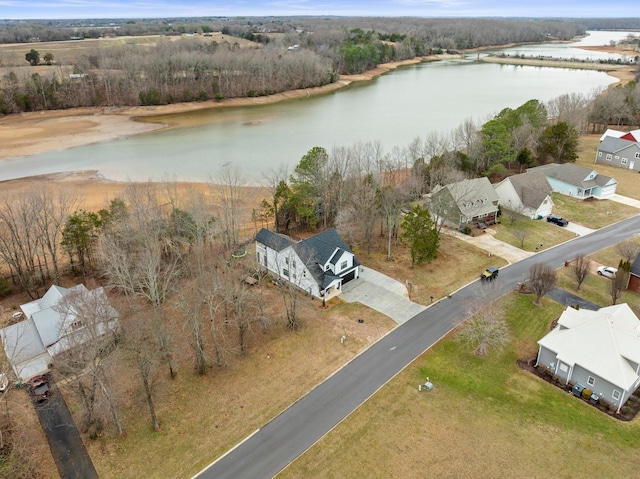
<point x="542" y="279"/>
<point x="87" y="327"/>
<point x="629" y="250"/>
<point x="140" y="341"/>
<point x="581" y="267"/>
<point x="487" y="328"/>
<point x="521" y="234"/>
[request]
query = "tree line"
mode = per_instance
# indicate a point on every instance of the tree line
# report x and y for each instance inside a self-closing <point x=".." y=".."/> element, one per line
<point x="195" y="70"/>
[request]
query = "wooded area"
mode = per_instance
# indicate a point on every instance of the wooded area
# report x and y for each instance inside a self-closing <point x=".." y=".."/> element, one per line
<point x="171" y="260"/>
<point x="184" y="65"/>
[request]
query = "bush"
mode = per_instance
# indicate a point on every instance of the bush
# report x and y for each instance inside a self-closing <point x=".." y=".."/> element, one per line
<point x="5" y="287"/>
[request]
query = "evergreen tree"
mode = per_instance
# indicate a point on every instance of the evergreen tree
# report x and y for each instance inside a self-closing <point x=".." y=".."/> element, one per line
<point x="419" y="231"/>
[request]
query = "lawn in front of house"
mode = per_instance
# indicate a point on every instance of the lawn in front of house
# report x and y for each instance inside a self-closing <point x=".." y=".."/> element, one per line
<point x="595" y="288"/>
<point x="591" y="213"/>
<point x="485" y="417"/>
<point x="457" y="264"/>
<point x="538" y="234"/>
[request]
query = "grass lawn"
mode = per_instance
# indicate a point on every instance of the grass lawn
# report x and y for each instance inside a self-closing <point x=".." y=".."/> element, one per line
<point x="485" y="417"/>
<point x="593" y="214"/>
<point x="537" y="232"/>
<point x="201" y="417"/>
<point x="457" y="264"/>
<point x="597" y="288"/>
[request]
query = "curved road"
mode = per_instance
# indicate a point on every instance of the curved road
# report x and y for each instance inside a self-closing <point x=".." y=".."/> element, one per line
<point x="283" y="439"/>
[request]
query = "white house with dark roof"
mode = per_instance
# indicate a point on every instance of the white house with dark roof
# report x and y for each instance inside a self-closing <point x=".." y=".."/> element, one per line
<point x="48" y="330"/>
<point x="319" y="265"/>
<point x="619" y="152"/>
<point x="527" y="193"/>
<point x="599" y="350"/>
<point x="577" y="181"/>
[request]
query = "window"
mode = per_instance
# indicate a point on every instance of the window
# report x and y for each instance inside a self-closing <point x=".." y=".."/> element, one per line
<point x="637" y="154"/>
<point x="294" y="264"/>
<point x="591" y="380"/>
<point x="343" y="265"/>
<point x="617" y="157"/>
<point x="564" y="368"/>
<point x="624" y="161"/>
<point x="285" y="272"/>
<point x="616" y="394"/>
<point x="609" y="156"/>
<point x="599" y="154"/>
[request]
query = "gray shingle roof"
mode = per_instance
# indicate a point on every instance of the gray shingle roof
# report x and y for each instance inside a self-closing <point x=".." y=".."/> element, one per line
<point x="572" y="174"/>
<point x="613" y="145"/>
<point x="532" y="188"/>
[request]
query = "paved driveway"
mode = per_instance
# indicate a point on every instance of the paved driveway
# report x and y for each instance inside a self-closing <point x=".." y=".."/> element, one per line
<point x="381" y="293"/>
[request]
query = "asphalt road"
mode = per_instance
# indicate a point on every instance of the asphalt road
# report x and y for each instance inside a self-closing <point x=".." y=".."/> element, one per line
<point x="283" y="439"/>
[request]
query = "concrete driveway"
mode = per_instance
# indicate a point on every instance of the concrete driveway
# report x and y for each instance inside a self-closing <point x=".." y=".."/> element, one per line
<point x="578" y="229"/>
<point x="383" y="294"/>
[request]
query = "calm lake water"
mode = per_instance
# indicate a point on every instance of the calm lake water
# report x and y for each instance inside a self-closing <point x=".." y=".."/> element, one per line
<point x="393" y="110"/>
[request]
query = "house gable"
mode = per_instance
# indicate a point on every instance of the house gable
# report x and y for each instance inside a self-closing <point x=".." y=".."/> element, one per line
<point x="575" y="180"/>
<point x="465" y="201"/>
<point x="31" y="344"/>
<point x="315" y="264"/>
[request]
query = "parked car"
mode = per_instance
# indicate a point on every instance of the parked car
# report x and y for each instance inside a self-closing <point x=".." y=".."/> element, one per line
<point x="489" y="274"/>
<point x="557" y="220"/>
<point x="39" y="388"/>
<point x="607" y="271"/>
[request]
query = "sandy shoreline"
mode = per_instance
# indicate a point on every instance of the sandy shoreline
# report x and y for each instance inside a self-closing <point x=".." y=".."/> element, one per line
<point x="36" y="132"/>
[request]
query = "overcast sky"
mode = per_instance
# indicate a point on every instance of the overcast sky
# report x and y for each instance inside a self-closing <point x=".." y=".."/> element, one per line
<point x="41" y="9"/>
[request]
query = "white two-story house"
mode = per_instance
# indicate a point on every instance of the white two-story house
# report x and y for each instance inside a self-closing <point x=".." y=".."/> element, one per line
<point x="319" y="265"/>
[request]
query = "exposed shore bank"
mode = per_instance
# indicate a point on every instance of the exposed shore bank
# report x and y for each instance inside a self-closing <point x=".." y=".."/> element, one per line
<point x="36" y="132"/>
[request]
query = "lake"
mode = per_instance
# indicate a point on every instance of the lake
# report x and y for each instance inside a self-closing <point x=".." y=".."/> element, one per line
<point x="393" y="110"/>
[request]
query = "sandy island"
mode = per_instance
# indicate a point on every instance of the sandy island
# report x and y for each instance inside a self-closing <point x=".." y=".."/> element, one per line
<point x="36" y="132"/>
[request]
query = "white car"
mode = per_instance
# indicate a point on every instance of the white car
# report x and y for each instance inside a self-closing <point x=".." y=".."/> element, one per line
<point x="607" y="271"/>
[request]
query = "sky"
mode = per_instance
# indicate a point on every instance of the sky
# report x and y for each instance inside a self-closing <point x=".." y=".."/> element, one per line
<point x="52" y="9"/>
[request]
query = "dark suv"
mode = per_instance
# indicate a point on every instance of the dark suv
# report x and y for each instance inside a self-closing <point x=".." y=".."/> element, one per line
<point x="557" y="220"/>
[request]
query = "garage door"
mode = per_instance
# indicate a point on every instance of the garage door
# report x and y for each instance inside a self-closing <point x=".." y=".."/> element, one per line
<point x="349" y="276"/>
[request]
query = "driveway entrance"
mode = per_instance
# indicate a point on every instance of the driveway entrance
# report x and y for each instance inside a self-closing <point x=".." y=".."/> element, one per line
<point x="383" y="294"/>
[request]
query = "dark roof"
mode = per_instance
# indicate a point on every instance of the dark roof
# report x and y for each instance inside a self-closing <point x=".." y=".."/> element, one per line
<point x="273" y="240"/>
<point x="635" y="267"/>
<point x="322" y="247"/>
<point x="314" y="251"/>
